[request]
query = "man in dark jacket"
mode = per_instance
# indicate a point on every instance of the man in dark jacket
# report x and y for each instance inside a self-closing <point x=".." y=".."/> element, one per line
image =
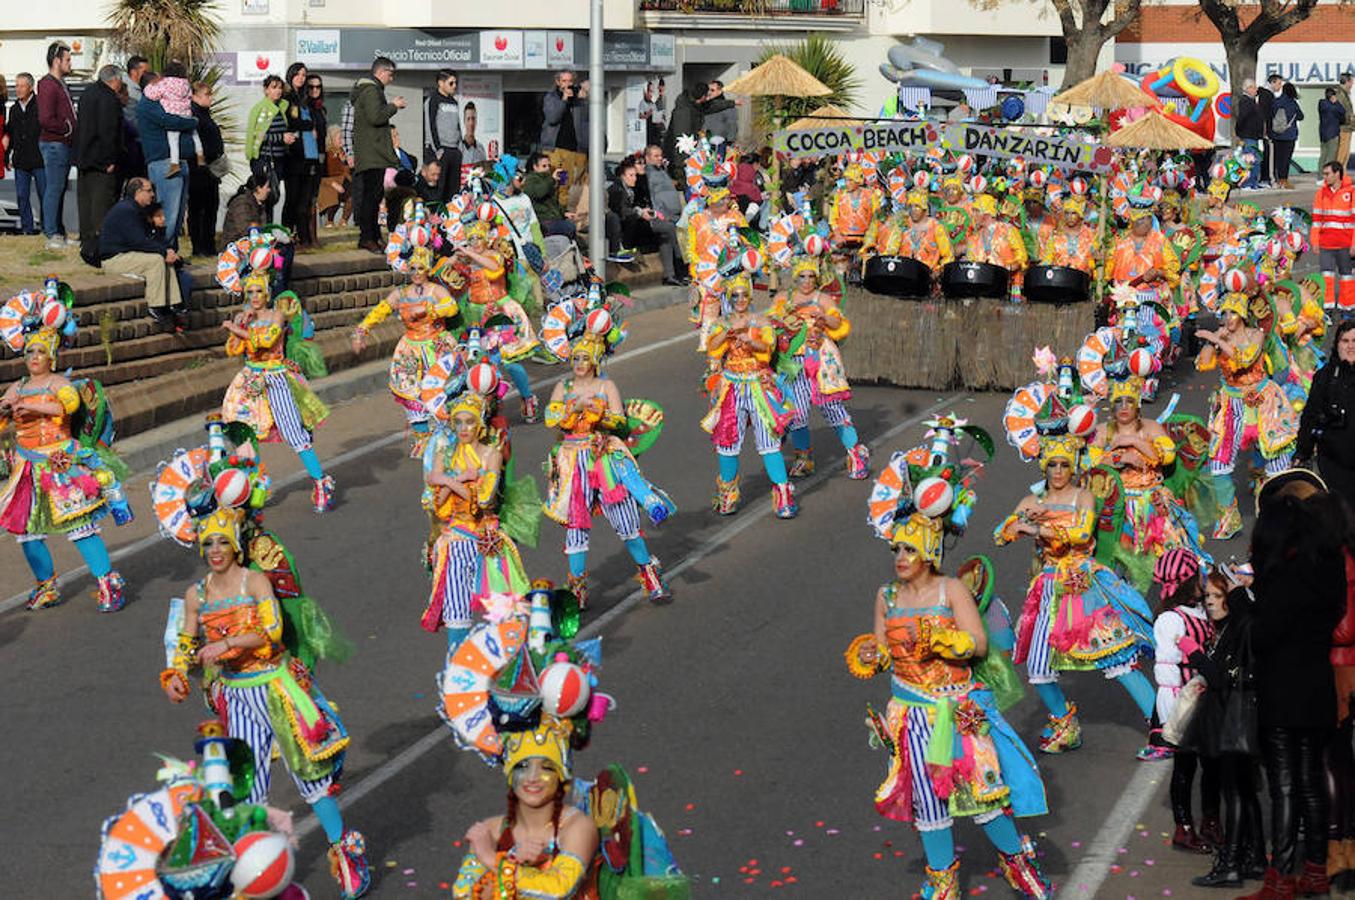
<point x="442" y="133"/>
<point x="1250" y="129"/>
<point x="687" y="120"/>
<point x="98" y="146"/>
<point x="564" y="131"/>
<point x="373" y="149"/>
<point x="25" y="157"/>
<point x="127" y="247"/>
<point x="56" y="120"/>
<point x="721" y="113"/>
<point x="204" y="187"/>
<point x="1265" y="101"/>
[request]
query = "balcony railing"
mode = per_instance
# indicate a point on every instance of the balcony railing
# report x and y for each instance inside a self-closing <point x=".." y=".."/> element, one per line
<point x="757" y="8"/>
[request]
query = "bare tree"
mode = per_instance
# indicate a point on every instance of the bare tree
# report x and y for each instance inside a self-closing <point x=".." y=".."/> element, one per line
<point x="1242" y="44"/>
<point x="1087" y="25"/>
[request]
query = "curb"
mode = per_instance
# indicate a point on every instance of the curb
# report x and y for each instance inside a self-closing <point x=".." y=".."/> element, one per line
<point x="144" y="450"/>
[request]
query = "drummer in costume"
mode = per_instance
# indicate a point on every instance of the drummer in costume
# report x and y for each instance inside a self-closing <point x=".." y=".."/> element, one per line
<point x="57" y="483"/>
<point x="993" y="241"/>
<point x="592" y="470"/>
<point x="486" y="297"/>
<point x="1078" y="615"/>
<point x="920" y="237"/>
<point x="853" y="208"/>
<point x="1143" y="257"/>
<point x="952" y="754"/>
<point x="1247" y="410"/>
<point x="1140" y="449"/>
<point x="1072" y="243"/>
<point x="1036" y="222"/>
<point x="1220" y="220"/>
<point x="425" y="309"/>
<point x="271" y="394"/>
<point x="746" y="395"/>
<point x="810" y="324"/>
<point x="953" y="209"/>
<point x="232" y="626"/>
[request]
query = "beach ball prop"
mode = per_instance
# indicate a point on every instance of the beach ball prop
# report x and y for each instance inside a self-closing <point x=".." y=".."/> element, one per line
<point x="53" y="314"/>
<point x="1141" y="362"/>
<point x="1294" y="241"/>
<point x="921" y="180"/>
<point x="599" y="321"/>
<point x="933" y="496"/>
<point x="965" y="164"/>
<point x="814" y="245"/>
<point x="263" y="864"/>
<point x="1234" y="280"/>
<point x="260" y="256"/>
<point x="232" y="488"/>
<point x="483" y="378"/>
<point x="564" y="690"/>
<point x="751" y="260"/>
<point x="1081" y="420"/>
<point x="1037" y="178"/>
<point x="486" y="212"/>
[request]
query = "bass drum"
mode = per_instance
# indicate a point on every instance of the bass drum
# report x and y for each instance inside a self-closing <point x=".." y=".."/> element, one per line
<point x="1056" y="284"/>
<point x="972" y="279"/>
<point x="898" y="276"/>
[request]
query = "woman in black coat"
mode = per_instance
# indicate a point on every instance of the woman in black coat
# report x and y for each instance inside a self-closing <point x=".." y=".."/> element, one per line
<point x="1300" y="591"/>
<point x="1324" y="427"/>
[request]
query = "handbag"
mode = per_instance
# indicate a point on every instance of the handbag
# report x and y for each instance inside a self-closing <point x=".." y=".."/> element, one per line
<point x="220" y="167"/>
<point x="1239" y="728"/>
<point x="1188" y="704"/>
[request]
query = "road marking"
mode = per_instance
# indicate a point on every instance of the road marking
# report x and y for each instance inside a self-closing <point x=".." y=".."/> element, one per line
<point x="151" y="540"/>
<point x="1103" y="851"/>
<point x="407" y="757"/>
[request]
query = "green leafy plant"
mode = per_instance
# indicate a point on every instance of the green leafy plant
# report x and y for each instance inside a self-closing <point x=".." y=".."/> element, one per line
<point x="821" y="58"/>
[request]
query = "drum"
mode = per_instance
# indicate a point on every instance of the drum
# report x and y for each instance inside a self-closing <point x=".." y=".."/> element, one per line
<point x="1056" y="284"/>
<point x="898" y="276"/>
<point x="972" y="279"/>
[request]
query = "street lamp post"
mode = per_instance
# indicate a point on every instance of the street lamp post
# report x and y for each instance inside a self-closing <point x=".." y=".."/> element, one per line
<point x="597" y="140"/>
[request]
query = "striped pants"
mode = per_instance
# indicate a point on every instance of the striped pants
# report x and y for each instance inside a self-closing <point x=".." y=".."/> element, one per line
<point x="1040" y="658"/>
<point x="247" y="719"/>
<point x="746" y="415"/>
<point x="286" y="416"/>
<point x="802" y="395"/>
<point x="1226" y="459"/>
<point x="459" y="583"/>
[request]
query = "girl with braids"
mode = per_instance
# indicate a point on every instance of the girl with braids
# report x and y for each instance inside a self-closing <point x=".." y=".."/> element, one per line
<point x="542" y="847"/>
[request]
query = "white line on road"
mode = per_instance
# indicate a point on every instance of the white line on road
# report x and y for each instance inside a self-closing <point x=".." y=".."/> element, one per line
<point x="151" y="540"/>
<point x="407" y="757"/>
<point x="1101" y="854"/>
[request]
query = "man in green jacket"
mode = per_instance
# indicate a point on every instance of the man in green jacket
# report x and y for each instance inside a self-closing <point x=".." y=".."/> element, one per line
<point x="373" y="149"/>
<point x="540" y="185"/>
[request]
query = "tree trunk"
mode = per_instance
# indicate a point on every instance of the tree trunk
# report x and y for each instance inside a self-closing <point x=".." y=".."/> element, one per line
<point x="1241" y="64"/>
<point x="1084" y="47"/>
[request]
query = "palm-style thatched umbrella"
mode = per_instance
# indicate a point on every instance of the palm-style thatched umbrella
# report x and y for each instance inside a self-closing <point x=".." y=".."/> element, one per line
<point x="778" y="77"/>
<point x="1107" y="91"/>
<point x="823" y="117"/>
<point x="1156" y="132"/>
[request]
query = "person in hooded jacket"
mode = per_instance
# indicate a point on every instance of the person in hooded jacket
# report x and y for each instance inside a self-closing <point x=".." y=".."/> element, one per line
<point x="1324" y="429"/>
<point x="687" y="120"/>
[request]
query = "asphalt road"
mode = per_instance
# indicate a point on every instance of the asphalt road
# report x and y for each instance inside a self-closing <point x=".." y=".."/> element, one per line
<point x="736" y="714"/>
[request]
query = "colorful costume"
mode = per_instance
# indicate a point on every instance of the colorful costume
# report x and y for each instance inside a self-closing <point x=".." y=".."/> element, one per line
<point x="271" y="394"/>
<point x="1248" y="410"/>
<point x="817" y="376"/>
<point x="592" y="470"/>
<point x="268" y="699"/>
<point x="424" y="310"/>
<point x="951" y="751"/>
<point x="1078" y="615"/>
<point x="853" y="208"/>
<point x="996" y="242"/>
<point x="922" y="237"/>
<point x="62" y="474"/>
<point x="1133" y="255"/>
<point x="1073" y="247"/>
<point x="709" y="235"/>
<point x="746" y="393"/>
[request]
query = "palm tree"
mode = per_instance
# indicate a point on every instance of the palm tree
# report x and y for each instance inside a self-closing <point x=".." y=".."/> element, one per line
<point x="821" y="58"/>
<point x="162" y="30"/>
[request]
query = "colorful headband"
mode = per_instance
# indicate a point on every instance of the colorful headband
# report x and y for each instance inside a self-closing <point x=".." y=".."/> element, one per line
<point x="1235" y="303"/>
<point x="804" y="264"/>
<point x="740" y="283"/>
<point x="549" y="742"/>
<point x="1061" y="446"/>
<point x="595" y="345"/>
<point x="1139" y="213"/>
<point x="1075" y="204"/>
<point x="224" y="522"/>
<point x="258" y="278"/>
<point x="920" y="533"/>
<point x="45" y="339"/>
<point x="1219" y="188"/>
<point x="1130" y="388"/>
<point x="421" y="258"/>
<point x="717" y="193"/>
<point x="985" y="204"/>
<point x="853" y="172"/>
<point x="918" y="197"/>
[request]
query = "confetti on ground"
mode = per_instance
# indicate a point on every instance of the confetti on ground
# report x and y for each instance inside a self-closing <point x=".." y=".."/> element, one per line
<point x="1076" y="844"/>
<point x="738" y="772"/>
<point x="643" y="770"/>
<point x="408" y="872"/>
<point x="391" y="864"/>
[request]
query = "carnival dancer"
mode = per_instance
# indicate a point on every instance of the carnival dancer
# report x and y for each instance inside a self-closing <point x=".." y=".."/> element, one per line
<point x="991" y="240"/>
<point x="58" y="483"/>
<point x="232" y="625"/>
<point x="920" y="237"/>
<point x="591" y="469"/>
<point x="708" y="232"/>
<point x="1144" y="259"/>
<point x="1035" y="221"/>
<point x="486" y="298"/>
<point x="473" y="556"/>
<point x="1140" y="450"/>
<point x="951" y="752"/>
<point x="810" y="323"/>
<point x="426" y="310"/>
<point x="271" y="394"/>
<point x="745" y="394"/>
<point x="1078" y="615"/>
<point x="953" y="209"/>
<point x="1072" y="242"/>
<point x="1248" y="410"/>
<point x="1220" y="220"/>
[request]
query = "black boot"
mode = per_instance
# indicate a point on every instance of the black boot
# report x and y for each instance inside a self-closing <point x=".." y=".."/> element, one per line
<point x="1225" y="872"/>
<point x="1252" y="860"/>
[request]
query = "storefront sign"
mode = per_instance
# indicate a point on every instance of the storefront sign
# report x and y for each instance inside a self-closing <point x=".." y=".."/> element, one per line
<point x="317" y="47"/>
<point x="1304" y="63"/>
<point x="559" y="49"/>
<point x="253" y="66"/>
<point x="534" y="49"/>
<point x="636" y="127"/>
<point x="501" y="49"/>
<point x="253" y="7"/>
<point x="410" y="48"/>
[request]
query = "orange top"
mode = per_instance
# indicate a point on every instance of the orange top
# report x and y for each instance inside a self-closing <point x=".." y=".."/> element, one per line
<point x="908" y="634"/>
<point x="236" y="617"/>
<point x="36" y="431"/>
<point x="264" y="345"/>
<point x="416" y="313"/>
<point x="1072" y="249"/>
<point x="488" y="284"/>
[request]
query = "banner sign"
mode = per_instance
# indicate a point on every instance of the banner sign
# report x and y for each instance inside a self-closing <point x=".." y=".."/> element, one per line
<point x="916" y="138"/>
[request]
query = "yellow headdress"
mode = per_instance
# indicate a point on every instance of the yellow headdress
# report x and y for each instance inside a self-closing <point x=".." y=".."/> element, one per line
<point x="549" y="742"/>
<point x="477" y="229"/>
<point x="1170" y="199"/>
<point x="471" y="402"/>
<point x="45" y="339"/>
<point x="1033" y="193"/>
<point x="985" y="203"/>
<point x="1063" y="446"/>
<point x="1138" y="213"/>
<point x="258" y="278"/>
<point x="853" y="173"/>
<point x="740" y="283"/>
<point x="1130" y="388"/>
<point x="1075" y="203"/>
<point x="1219" y="188"/>
<point x="922" y="534"/>
<point x="592" y="344"/>
<point x="422" y="257"/>
<point x="918" y="197"/>
<point x="716" y="194"/>
<point x="1235" y="303"/>
<point x="952" y="181"/>
<point x="221" y="522"/>
<point x="804" y="264"/>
